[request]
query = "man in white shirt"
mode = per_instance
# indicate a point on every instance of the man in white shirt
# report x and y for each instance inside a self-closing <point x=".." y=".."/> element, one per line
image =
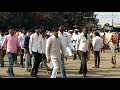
<point x="54" y="48"/>
<point x="82" y="48"/>
<point x="22" y="40"/>
<point x="66" y="43"/>
<point x="97" y="45"/>
<point x="44" y="59"/>
<point x="35" y="49"/>
<point x="2" y="53"/>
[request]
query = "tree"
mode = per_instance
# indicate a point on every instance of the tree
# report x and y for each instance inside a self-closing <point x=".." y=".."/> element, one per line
<point x="45" y="19"/>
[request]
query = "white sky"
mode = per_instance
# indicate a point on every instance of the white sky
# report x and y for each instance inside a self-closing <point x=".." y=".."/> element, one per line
<point x="106" y="17"/>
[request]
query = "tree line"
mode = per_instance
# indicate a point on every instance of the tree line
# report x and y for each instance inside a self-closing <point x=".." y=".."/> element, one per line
<point x="45" y="19"/>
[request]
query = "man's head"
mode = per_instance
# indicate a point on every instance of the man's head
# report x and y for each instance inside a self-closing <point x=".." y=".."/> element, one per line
<point x="30" y="32"/>
<point x="76" y="31"/>
<point x="62" y="28"/>
<point x="23" y="30"/>
<point x="85" y="31"/>
<point x="11" y="30"/>
<point x="43" y="33"/>
<point x="37" y="29"/>
<point x="2" y="32"/>
<point x="55" y="31"/>
<point x="97" y="34"/>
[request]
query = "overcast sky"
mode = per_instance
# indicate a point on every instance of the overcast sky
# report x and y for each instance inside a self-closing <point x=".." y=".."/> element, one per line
<point x="106" y="17"/>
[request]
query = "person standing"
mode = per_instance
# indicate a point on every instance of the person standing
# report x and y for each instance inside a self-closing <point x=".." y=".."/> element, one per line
<point x="2" y="52"/>
<point x="35" y="48"/>
<point x="12" y="42"/>
<point x="82" y="48"/>
<point x="97" y="45"/>
<point x="54" y="48"/>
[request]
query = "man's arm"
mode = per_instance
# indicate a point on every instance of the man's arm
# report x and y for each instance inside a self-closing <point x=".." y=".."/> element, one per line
<point x="77" y="45"/>
<point x="4" y="43"/>
<point x="30" y="44"/>
<point x="18" y="45"/>
<point x="48" y="46"/>
<point x="26" y="44"/>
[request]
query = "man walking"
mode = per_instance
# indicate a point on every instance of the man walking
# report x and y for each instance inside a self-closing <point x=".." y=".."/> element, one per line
<point x="53" y="48"/>
<point x="35" y="48"/>
<point x="12" y="42"/>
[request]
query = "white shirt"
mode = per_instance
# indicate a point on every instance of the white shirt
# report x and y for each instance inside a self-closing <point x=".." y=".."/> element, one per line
<point x="82" y="43"/>
<point x="44" y="44"/>
<point x="53" y="47"/>
<point x="66" y="42"/>
<point x="97" y="43"/>
<point x="1" y="40"/>
<point x="22" y="40"/>
<point x="35" y="43"/>
<point x="74" y="38"/>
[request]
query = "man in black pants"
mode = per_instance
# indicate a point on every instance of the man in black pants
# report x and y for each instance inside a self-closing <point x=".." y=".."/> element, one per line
<point x="22" y="40"/>
<point x="35" y="49"/>
<point x="82" y="48"/>
<point x="97" y="45"/>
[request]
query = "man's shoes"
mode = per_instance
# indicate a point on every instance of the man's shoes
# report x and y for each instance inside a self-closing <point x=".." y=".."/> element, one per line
<point x="80" y="72"/>
<point x="84" y="75"/>
<point x="28" y="70"/>
<point x="33" y="74"/>
<point x="74" y="58"/>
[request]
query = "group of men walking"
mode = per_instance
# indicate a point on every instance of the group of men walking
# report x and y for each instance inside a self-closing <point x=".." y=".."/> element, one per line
<point x="38" y="48"/>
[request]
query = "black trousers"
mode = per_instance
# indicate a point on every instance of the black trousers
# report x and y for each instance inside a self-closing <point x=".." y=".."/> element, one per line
<point x="83" y="67"/>
<point x="38" y="58"/>
<point x="97" y="58"/>
<point x="74" y="56"/>
<point x="21" y="56"/>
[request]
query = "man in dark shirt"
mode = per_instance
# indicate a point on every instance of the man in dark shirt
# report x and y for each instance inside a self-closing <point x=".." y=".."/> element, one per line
<point x="26" y="51"/>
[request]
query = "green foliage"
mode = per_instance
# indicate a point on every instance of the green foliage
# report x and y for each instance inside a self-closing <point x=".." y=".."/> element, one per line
<point x="45" y="19"/>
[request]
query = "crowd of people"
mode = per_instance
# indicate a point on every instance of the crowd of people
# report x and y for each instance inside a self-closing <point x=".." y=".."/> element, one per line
<point x="38" y="47"/>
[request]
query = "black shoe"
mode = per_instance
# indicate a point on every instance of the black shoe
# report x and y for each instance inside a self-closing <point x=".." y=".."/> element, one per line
<point x="33" y="74"/>
<point x="80" y="72"/>
<point x="84" y="75"/>
<point x="74" y="58"/>
<point x="98" y="66"/>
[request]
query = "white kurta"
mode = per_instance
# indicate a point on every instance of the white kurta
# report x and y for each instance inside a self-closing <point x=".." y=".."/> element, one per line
<point x="53" y="47"/>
